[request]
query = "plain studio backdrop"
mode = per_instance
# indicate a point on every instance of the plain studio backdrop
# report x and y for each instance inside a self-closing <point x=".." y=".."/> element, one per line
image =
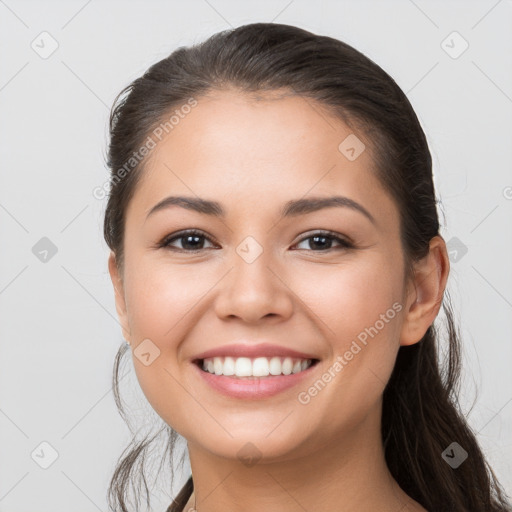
<point x="62" y="65"/>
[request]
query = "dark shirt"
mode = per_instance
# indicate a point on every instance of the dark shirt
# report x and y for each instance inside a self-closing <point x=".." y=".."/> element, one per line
<point x="178" y="504"/>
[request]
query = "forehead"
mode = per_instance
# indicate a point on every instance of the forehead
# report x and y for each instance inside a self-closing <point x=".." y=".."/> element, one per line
<point x="239" y="147"/>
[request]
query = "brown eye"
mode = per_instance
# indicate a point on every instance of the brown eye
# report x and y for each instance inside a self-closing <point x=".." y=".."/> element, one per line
<point x="191" y="241"/>
<point x="322" y="241"/>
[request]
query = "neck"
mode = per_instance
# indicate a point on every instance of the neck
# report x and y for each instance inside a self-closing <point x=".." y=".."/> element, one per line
<point x="347" y="474"/>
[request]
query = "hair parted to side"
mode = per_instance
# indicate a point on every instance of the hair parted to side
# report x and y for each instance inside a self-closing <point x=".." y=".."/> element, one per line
<point x="421" y="416"/>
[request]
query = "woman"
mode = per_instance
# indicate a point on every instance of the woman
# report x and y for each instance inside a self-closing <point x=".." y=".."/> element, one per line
<point x="278" y="267"/>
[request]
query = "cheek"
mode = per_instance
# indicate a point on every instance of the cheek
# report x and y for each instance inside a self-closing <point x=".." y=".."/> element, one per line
<point x="351" y="297"/>
<point x="159" y="297"/>
<point x="360" y="312"/>
<point x="161" y="300"/>
<point x="164" y="305"/>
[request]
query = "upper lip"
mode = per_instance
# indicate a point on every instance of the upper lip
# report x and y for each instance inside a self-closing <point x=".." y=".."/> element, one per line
<point x="252" y="350"/>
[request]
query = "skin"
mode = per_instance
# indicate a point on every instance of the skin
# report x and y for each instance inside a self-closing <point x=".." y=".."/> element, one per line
<point x="252" y="155"/>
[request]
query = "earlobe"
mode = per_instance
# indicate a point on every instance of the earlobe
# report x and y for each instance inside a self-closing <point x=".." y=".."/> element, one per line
<point x="426" y="296"/>
<point x="120" y="301"/>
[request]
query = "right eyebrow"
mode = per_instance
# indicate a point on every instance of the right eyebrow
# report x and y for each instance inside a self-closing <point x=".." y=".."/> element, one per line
<point x="190" y="203"/>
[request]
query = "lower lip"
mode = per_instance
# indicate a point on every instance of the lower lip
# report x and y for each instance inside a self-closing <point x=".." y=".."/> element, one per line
<point x="253" y="387"/>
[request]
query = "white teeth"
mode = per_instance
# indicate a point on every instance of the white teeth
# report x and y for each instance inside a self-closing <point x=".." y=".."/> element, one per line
<point x="275" y="366"/>
<point x="260" y="367"/>
<point x="243" y="367"/>
<point x="257" y="367"/>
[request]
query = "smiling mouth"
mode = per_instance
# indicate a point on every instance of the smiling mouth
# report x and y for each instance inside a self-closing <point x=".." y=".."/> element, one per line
<point x="254" y="368"/>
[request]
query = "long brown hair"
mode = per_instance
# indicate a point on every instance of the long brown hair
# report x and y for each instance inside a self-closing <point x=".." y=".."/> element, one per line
<point x="421" y="416"/>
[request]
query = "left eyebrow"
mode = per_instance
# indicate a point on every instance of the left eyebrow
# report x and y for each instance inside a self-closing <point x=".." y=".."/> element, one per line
<point x="290" y="209"/>
<point x="313" y="204"/>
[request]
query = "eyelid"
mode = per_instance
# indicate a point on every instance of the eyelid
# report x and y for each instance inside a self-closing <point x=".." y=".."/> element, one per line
<point x="164" y="243"/>
<point x="343" y="241"/>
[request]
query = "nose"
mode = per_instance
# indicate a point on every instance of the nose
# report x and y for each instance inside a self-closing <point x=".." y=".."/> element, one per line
<point x="253" y="291"/>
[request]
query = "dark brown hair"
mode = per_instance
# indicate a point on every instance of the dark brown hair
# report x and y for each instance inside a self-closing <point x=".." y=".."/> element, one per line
<point x="421" y="416"/>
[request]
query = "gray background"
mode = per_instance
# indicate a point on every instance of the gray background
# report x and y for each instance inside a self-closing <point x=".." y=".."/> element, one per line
<point x="59" y="330"/>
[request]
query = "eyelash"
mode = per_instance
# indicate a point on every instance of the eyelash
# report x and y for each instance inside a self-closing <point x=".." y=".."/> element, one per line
<point x="165" y="243"/>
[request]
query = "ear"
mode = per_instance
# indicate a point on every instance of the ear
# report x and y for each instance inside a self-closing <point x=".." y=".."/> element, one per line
<point x="119" y="296"/>
<point x="425" y="292"/>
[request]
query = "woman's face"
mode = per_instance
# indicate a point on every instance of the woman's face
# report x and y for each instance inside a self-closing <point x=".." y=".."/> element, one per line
<point x="259" y="277"/>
